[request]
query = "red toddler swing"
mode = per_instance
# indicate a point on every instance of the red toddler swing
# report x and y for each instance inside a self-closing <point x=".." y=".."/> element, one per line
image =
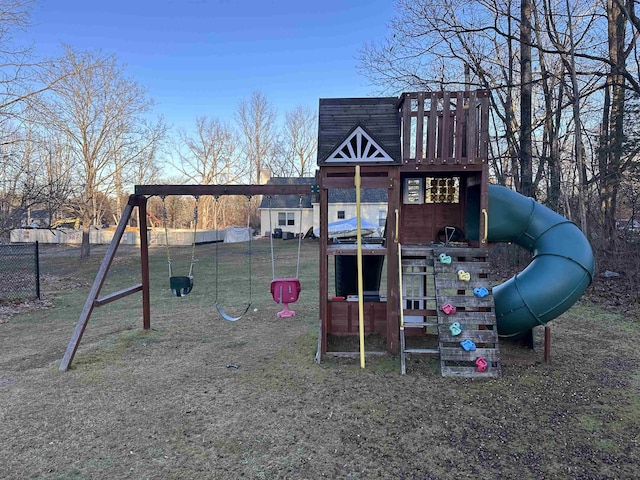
<point x="285" y="290"/>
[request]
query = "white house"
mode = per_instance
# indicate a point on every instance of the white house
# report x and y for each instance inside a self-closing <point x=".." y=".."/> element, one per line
<point x="288" y="214"/>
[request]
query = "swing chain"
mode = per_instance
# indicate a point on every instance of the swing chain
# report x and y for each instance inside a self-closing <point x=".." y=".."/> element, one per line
<point x="219" y="308"/>
<point x="250" y="243"/>
<point x="195" y="232"/>
<point x="273" y="266"/>
<point x="215" y="227"/>
<point x="299" y="240"/>
<point x="166" y="233"/>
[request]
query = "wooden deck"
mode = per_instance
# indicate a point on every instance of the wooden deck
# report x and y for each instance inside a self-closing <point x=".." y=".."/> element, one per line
<point x="444" y="128"/>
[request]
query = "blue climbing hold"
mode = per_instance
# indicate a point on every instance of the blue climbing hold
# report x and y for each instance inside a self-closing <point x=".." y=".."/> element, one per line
<point x="455" y="329"/>
<point x="480" y="292"/>
<point x="444" y="258"/>
<point x="468" y="345"/>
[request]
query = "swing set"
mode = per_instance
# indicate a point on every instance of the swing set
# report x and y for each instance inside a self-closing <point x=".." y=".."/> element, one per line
<point x="284" y="290"/>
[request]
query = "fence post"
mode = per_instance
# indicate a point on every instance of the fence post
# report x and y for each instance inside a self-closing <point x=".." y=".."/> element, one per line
<point x="37" y="269"/>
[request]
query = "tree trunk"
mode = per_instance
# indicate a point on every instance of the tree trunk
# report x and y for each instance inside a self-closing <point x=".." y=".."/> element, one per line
<point x="578" y="144"/>
<point x="526" y="88"/>
<point x="85" y="248"/>
<point x="611" y="156"/>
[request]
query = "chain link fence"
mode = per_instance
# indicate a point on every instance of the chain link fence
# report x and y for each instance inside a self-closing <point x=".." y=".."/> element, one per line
<point x="19" y="271"/>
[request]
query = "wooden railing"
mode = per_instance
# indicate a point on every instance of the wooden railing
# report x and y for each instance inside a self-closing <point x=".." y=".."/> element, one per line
<point x="444" y="128"/>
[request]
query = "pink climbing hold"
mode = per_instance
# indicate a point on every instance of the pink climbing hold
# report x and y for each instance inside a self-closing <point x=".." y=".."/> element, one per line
<point x="481" y="364"/>
<point x="448" y="309"/>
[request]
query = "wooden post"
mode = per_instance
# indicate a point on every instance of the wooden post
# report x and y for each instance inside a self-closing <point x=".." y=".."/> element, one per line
<point x="72" y="347"/>
<point x="144" y="261"/>
<point x="393" y="264"/>
<point x="547" y="344"/>
<point x="323" y="267"/>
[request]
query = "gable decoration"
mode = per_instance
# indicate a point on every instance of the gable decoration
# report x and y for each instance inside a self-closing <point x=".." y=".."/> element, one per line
<point x="359" y="146"/>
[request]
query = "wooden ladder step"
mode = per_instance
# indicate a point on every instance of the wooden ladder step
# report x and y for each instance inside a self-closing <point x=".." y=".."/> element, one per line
<point x="430" y="351"/>
<point x="420" y="324"/>
<point x="417" y="274"/>
<point x="420" y="297"/>
<point x="417" y="251"/>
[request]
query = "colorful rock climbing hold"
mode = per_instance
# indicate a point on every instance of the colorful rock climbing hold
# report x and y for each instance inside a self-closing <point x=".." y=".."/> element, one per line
<point x="464" y="276"/>
<point x="481" y="364"/>
<point x="480" y="292"/>
<point x="445" y="259"/>
<point x="468" y="345"/>
<point x="448" y="309"/>
<point x="455" y="329"/>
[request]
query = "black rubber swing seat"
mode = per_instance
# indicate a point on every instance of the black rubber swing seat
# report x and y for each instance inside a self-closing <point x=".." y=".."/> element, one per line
<point x="181" y="286"/>
<point x="230" y="318"/>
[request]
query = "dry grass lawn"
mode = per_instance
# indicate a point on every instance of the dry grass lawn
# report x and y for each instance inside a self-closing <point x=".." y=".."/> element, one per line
<point x="197" y="397"/>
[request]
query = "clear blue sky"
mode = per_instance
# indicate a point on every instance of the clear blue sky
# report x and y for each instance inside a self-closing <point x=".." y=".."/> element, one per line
<point x="202" y="57"/>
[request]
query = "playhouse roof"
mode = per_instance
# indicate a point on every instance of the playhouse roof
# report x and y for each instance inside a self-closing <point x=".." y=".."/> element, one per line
<point x="288" y="201"/>
<point x="376" y="117"/>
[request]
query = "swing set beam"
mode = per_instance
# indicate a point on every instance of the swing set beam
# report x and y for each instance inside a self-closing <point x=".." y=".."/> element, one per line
<point x="219" y="190"/>
<point x="139" y="200"/>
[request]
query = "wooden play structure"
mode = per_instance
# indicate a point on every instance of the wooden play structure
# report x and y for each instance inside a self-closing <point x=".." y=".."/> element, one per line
<point x="428" y="152"/>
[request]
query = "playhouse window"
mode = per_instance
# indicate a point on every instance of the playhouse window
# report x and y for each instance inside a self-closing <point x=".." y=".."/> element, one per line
<point x="340" y="214"/>
<point x="442" y="190"/>
<point x="286" y="218"/>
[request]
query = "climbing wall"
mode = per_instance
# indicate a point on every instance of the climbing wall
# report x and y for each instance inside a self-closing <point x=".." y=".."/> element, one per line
<point x="467" y="332"/>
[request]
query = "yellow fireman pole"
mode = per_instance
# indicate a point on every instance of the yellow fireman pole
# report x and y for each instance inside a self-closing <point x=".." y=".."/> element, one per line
<point x="360" y="282"/>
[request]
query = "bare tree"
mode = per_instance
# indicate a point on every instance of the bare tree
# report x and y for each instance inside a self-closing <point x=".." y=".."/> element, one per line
<point x="20" y="79"/>
<point x="256" y="118"/>
<point x="16" y="63"/>
<point x="610" y="156"/>
<point x="536" y="69"/>
<point x="90" y="106"/>
<point x="300" y="142"/>
<point x="526" y="100"/>
<point x="431" y="46"/>
<point x="135" y="148"/>
<point x="20" y="189"/>
<point x="209" y="157"/>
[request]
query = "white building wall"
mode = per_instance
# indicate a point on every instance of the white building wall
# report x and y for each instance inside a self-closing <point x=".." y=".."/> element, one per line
<point x="307" y="220"/>
<point x="371" y="212"/>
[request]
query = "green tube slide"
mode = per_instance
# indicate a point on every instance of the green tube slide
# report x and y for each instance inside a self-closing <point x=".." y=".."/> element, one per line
<point x="561" y="268"/>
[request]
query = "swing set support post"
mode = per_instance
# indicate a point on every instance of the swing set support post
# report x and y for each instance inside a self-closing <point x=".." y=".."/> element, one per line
<point x="92" y="299"/>
<point x="144" y="262"/>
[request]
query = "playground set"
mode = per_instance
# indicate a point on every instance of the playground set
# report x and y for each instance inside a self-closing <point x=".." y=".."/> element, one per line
<point x="429" y="152"/>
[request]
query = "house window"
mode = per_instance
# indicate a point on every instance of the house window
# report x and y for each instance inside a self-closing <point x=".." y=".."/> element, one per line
<point x="286" y="219"/>
<point x="340" y="214"/>
<point x="382" y="217"/>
